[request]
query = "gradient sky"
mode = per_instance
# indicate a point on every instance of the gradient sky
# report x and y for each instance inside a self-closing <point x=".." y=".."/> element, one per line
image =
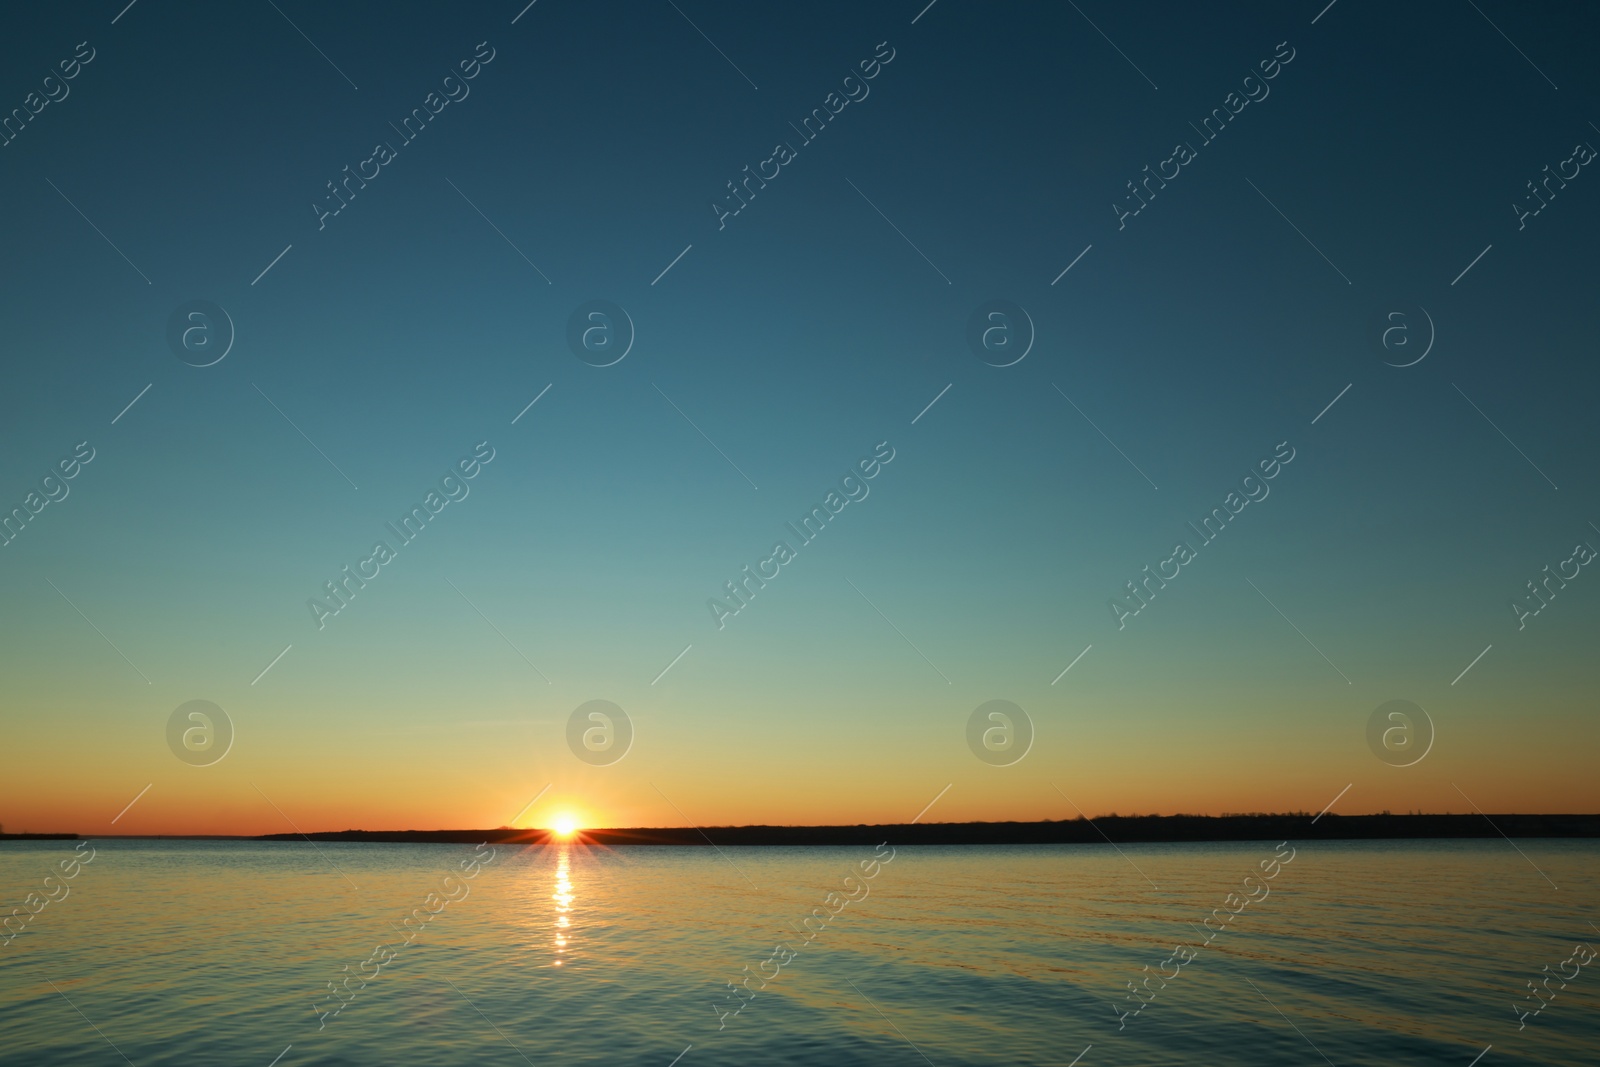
<point x="806" y="331"/>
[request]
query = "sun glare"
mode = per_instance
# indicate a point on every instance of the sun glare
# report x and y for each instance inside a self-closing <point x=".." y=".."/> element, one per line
<point x="565" y="825"/>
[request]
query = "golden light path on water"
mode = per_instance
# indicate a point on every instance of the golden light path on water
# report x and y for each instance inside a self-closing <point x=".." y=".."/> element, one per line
<point x="563" y="896"/>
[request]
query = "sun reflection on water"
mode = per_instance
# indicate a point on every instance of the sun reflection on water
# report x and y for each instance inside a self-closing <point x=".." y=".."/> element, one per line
<point x="563" y="896"/>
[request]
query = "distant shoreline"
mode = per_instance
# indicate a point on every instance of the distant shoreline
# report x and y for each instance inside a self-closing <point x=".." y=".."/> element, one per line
<point x="1121" y="829"/>
<point x="38" y="837"/>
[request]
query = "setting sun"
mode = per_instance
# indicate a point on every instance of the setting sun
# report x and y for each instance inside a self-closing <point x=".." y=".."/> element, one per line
<point x="565" y="825"/>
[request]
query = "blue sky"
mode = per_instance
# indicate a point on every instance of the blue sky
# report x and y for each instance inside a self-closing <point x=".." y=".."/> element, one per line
<point x="816" y="323"/>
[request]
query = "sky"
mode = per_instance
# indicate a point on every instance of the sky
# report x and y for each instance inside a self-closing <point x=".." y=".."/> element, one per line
<point x="1240" y="315"/>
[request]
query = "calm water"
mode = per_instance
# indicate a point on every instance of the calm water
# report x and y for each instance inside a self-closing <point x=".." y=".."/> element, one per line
<point x="1375" y="953"/>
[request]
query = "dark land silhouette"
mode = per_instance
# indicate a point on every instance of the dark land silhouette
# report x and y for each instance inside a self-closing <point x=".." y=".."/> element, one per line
<point x="38" y="837"/>
<point x="1121" y="829"/>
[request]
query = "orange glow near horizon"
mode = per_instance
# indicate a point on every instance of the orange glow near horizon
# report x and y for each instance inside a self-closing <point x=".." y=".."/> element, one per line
<point x="242" y="796"/>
